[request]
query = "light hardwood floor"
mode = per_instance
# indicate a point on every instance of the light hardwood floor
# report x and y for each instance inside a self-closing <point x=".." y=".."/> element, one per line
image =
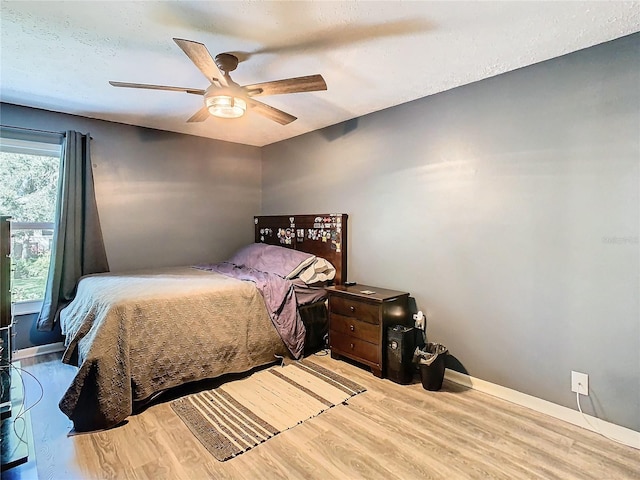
<point x="391" y="431"/>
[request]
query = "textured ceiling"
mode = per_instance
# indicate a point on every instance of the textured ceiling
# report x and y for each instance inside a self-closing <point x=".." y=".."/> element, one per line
<point x="373" y="55"/>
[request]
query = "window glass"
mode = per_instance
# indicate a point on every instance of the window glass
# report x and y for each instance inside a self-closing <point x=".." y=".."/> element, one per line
<point x="29" y="174"/>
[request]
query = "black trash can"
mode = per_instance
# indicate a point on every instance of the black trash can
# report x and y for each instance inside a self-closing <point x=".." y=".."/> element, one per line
<point x="432" y="361"/>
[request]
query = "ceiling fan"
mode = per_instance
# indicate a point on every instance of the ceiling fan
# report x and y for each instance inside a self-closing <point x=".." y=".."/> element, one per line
<point x="225" y="98"/>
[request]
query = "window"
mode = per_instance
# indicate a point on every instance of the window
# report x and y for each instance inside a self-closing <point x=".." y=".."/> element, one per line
<point x="29" y="171"/>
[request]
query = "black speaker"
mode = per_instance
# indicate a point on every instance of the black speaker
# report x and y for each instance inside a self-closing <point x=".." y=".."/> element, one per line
<point x="400" y="347"/>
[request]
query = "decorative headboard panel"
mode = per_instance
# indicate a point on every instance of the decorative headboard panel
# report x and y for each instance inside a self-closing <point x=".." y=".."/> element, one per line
<point x="323" y="235"/>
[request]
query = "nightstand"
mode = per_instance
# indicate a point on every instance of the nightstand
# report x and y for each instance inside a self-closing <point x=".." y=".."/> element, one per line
<point x="358" y="322"/>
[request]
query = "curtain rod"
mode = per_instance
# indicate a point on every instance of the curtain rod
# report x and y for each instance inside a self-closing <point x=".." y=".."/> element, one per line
<point x="38" y="130"/>
<point x="34" y="130"/>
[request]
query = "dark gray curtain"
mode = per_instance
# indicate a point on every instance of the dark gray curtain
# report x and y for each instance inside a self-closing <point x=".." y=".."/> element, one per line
<point x="78" y="248"/>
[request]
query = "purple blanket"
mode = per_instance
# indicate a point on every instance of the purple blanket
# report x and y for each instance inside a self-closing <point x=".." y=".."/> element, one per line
<point x="279" y="298"/>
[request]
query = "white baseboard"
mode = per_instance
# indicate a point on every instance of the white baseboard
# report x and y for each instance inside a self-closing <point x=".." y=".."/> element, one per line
<point x="621" y="434"/>
<point x="38" y="350"/>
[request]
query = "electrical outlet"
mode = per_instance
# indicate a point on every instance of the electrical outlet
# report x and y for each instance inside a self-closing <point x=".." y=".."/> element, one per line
<point x="580" y="383"/>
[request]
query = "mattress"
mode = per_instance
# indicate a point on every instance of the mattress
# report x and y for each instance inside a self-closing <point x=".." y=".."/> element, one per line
<point x="133" y="335"/>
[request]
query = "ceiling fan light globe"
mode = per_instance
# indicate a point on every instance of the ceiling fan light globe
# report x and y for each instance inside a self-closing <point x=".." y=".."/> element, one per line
<point x="226" y="106"/>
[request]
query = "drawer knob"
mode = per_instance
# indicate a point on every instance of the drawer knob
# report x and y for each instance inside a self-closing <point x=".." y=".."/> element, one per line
<point x="351" y="345"/>
<point x="352" y="328"/>
<point x="352" y="308"/>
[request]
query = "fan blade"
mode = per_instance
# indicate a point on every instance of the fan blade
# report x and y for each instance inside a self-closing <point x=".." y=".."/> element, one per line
<point x="195" y="91"/>
<point x="202" y="59"/>
<point x="310" y="83"/>
<point x="200" y="116"/>
<point x="283" y="118"/>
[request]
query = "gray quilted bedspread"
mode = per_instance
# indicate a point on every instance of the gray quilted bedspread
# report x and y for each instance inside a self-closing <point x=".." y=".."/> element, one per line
<point x="279" y="298"/>
<point x="134" y="335"/>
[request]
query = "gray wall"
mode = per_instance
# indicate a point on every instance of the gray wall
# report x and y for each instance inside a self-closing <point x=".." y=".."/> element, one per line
<point x="509" y="208"/>
<point x="164" y="199"/>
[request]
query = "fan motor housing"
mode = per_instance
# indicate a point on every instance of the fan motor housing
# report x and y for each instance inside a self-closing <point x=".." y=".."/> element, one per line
<point x="226" y="62"/>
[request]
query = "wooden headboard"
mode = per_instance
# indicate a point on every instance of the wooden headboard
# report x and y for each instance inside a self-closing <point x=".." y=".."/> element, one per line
<point x="323" y="235"/>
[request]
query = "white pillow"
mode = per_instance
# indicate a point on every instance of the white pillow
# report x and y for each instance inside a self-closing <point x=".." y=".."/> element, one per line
<point x="319" y="271"/>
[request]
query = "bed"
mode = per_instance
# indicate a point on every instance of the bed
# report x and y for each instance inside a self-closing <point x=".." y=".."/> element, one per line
<point x="136" y="334"/>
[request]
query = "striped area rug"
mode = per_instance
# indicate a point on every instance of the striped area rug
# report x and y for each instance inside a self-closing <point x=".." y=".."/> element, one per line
<point x="239" y="415"/>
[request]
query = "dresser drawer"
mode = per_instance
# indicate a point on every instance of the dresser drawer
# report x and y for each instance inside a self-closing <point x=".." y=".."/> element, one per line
<point x="358" y="322"/>
<point x="355" y="328"/>
<point x="355" y="347"/>
<point x="348" y="307"/>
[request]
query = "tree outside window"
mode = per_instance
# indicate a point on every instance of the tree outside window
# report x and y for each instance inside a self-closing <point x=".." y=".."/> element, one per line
<point x="28" y="190"/>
